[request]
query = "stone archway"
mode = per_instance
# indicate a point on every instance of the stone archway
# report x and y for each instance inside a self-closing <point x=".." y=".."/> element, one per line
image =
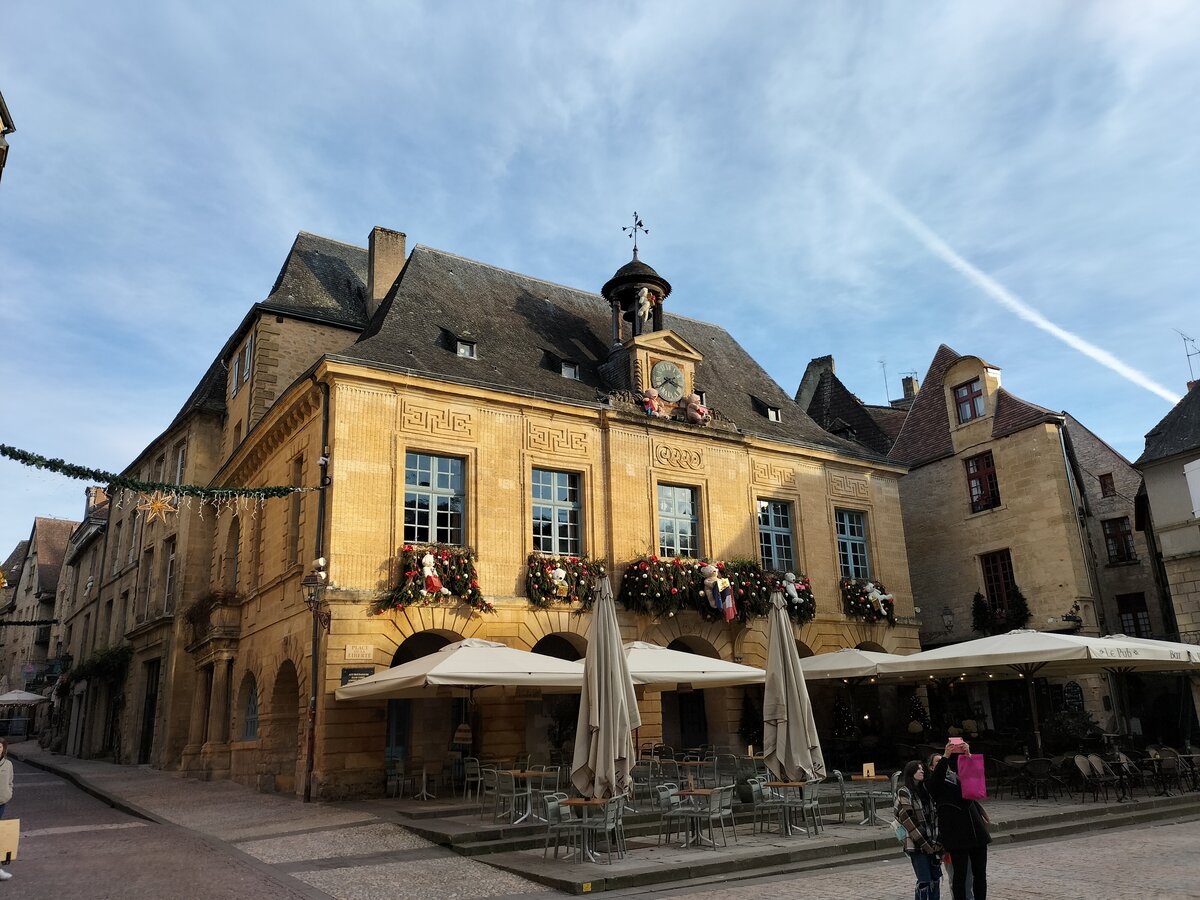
<point x="562" y="645"/>
<point x="283" y="735"/>
<point x="550" y="721"/>
<point x="693" y="717"/>
<point x="804" y="650"/>
<point x="415" y="727"/>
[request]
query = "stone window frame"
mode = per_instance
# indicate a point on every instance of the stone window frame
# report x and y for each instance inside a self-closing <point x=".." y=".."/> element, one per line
<point x="572" y="545"/>
<point x="853" y="548"/>
<point x="669" y="514"/>
<point x="776" y="540"/>
<point x="983" y="485"/>
<point x="969" y="401"/>
<point x="445" y="483"/>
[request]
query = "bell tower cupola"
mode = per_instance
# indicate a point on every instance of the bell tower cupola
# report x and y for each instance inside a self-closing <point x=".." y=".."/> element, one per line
<point x="636" y="293"/>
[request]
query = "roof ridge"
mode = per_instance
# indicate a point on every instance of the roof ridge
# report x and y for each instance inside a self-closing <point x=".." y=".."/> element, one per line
<point x="331" y="240"/>
<point x="496" y="268"/>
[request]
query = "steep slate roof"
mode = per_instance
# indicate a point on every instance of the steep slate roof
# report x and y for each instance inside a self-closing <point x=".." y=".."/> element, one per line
<point x="322" y="279"/>
<point x="925" y="435"/>
<point x="834" y="408"/>
<point x="52" y="536"/>
<point x="523" y="327"/>
<point x="889" y="418"/>
<point x="15" y="562"/>
<point x="926" y="432"/>
<point x="1014" y="414"/>
<point x="208" y="396"/>
<point x="1178" y="432"/>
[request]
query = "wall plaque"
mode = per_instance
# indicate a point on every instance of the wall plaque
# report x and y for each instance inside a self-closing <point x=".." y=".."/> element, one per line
<point x="351" y="675"/>
<point x="360" y="653"/>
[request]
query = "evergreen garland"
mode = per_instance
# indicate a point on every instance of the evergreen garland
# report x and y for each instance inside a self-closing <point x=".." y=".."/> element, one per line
<point x="113" y="480"/>
<point x="108" y="666"/>
<point x="663" y="586"/>
<point x="543" y="593"/>
<point x="985" y="619"/>
<point x="456" y="569"/>
<point x="856" y="598"/>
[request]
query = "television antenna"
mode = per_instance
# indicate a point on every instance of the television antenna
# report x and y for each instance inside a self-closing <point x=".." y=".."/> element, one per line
<point x="1190" y="350"/>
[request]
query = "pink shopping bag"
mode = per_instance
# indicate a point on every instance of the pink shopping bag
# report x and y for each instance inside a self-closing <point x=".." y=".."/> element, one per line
<point x="970" y="777"/>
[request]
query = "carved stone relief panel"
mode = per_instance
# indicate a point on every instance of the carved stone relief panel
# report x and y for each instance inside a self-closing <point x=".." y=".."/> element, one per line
<point x="774" y="475"/>
<point x="848" y="486"/>
<point x="670" y="456"/>
<point x="437" y="420"/>
<point x="559" y="439"/>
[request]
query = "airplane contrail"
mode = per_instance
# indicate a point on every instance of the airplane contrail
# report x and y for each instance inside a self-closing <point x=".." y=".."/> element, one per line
<point x="932" y="242"/>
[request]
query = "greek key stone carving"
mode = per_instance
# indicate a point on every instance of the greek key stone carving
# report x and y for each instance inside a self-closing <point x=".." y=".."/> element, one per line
<point x="767" y="473"/>
<point x="678" y="457"/>
<point x="842" y="484"/>
<point x="556" y="439"/>
<point x="435" y="420"/>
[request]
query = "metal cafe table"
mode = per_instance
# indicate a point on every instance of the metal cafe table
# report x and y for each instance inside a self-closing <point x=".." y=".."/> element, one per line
<point x="789" y="803"/>
<point x="869" y="796"/>
<point x="695" y="832"/>
<point x="587" y="804"/>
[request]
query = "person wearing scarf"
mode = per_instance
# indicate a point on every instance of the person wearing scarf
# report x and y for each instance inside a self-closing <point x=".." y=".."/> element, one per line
<point x="915" y="810"/>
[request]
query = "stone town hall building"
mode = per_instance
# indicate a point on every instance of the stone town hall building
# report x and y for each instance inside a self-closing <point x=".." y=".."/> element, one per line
<point x="444" y="400"/>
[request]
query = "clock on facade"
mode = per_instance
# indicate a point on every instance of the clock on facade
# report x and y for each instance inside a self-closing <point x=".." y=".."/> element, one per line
<point x="667" y="379"/>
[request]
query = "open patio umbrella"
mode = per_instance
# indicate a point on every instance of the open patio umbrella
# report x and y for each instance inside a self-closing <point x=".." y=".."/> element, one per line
<point x="22" y="698"/>
<point x="848" y="664"/>
<point x="469" y="664"/>
<point x="1183" y="652"/>
<point x="661" y="669"/>
<point x="1034" y="653"/>
<point x="791" y="748"/>
<point x="608" y="710"/>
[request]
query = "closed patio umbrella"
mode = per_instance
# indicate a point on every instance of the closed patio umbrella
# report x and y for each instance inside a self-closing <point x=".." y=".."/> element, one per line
<point x="469" y="664"/>
<point x="661" y="669"/>
<point x="791" y="748"/>
<point x="608" y="711"/>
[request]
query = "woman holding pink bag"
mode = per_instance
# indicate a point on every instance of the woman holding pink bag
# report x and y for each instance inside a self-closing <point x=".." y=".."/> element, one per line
<point x="962" y="823"/>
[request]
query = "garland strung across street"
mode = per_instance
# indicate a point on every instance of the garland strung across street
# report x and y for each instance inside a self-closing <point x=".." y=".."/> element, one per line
<point x="157" y="499"/>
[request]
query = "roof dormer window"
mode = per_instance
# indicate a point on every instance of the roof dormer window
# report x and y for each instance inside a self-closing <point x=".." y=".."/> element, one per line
<point x="570" y="370"/>
<point x="968" y="401"/>
<point x="773" y="414"/>
<point x="465" y="349"/>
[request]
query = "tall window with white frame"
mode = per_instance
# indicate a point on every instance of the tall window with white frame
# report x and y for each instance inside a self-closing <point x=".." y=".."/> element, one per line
<point x="434" y="499"/>
<point x="678" y="521"/>
<point x="556" y="513"/>
<point x="168" y="576"/>
<point x="180" y="461"/>
<point x="775" y="535"/>
<point x="853" y="559"/>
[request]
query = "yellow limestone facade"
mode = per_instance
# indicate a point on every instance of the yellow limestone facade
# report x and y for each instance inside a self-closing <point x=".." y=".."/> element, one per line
<point x="375" y="418"/>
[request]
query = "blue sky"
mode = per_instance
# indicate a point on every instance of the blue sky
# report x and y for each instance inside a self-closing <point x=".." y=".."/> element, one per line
<point x="867" y="180"/>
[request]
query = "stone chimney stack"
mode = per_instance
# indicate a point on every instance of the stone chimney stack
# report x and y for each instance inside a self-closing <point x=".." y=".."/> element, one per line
<point x="385" y="260"/>
<point x="1192" y="385"/>
<point x="911" y="386"/>
<point x="95" y="496"/>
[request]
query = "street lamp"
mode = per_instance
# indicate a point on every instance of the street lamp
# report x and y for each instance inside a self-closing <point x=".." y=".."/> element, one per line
<point x="948" y="619"/>
<point x="313" y="585"/>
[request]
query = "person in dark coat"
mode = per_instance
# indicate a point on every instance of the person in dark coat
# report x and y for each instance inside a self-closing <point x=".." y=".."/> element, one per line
<point x="962" y="824"/>
<point x="914" y="809"/>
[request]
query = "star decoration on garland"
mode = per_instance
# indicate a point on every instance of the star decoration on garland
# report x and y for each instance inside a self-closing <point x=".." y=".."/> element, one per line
<point x="156" y="506"/>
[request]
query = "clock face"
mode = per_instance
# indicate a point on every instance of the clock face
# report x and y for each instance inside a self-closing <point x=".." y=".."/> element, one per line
<point x="667" y="379"/>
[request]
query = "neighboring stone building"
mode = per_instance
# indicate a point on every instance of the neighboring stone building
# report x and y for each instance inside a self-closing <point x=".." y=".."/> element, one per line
<point x="26" y="647"/>
<point x="444" y="400"/>
<point x="1009" y="508"/>
<point x="1171" y="466"/>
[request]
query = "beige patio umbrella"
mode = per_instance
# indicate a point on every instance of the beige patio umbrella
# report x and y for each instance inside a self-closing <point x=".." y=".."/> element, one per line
<point x="791" y="748"/>
<point x="1030" y="654"/>
<point x="22" y="698"/>
<point x="849" y="664"/>
<point x="469" y="664"/>
<point x="608" y="711"/>
<point x="661" y="669"/>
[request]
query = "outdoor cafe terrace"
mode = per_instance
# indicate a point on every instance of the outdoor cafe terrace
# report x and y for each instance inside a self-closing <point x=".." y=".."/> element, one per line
<point x="516" y="822"/>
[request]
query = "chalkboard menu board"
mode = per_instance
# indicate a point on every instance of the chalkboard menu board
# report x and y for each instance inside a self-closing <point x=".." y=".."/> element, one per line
<point x="1073" y="696"/>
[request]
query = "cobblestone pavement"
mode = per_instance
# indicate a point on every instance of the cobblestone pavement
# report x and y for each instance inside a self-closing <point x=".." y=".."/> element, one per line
<point x="1160" y="861"/>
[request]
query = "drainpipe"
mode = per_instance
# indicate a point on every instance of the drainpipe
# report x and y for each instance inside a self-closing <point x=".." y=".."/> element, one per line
<point x="319" y="548"/>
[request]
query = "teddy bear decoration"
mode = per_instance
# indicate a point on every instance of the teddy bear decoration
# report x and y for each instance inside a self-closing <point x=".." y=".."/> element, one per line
<point x="653" y="406"/>
<point x="433" y="584"/>
<point x="697" y="413"/>
<point x="558" y="580"/>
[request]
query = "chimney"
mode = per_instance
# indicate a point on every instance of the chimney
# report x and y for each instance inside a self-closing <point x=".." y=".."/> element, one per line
<point x="386" y="259"/>
<point x="1192" y="385"/>
<point x="95" y="496"/>
<point x="911" y="386"/>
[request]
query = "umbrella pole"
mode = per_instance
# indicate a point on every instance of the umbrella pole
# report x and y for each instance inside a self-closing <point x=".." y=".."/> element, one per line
<point x="1033" y="711"/>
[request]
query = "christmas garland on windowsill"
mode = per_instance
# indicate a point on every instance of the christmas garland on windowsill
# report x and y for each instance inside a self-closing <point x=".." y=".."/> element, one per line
<point x="575" y="589"/>
<point x="453" y="566"/>
<point x="868" y="600"/>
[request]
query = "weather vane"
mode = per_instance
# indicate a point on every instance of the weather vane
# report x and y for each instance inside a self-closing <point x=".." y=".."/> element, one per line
<point x="632" y="231"/>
